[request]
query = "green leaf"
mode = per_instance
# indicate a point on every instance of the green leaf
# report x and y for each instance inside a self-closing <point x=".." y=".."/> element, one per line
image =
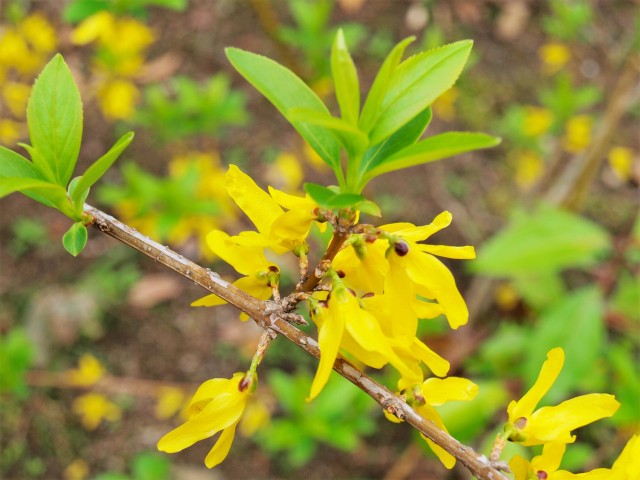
<point x="545" y="241"/>
<point x="286" y="91"/>
<point x="75" y="239"/>
<point x="416" y="83"/>
<point x="98" y="169"/>
<point x="407" y="135"/>
<point x="371" y="109"/>
<point x="78" y="10"/>
<point x="431" y="149"/>
<point x="576" y="325"/>
<point x="352" y="139"/>
<point x="327" y="198"/>
<point x="13" y="165"/>
<point x="345" y="79"/>
<point x="54" y="116"/>
<point x="367" y="206"/>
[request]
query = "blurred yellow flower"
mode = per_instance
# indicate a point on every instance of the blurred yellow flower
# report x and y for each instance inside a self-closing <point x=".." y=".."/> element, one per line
<point x="529" y="426"/>
<point x="89" y="372"/>
<point x="93" y="408"/>
<point x="76" y="470"/>
<point x="11" y="131"/>
<point x="169" y="401"/>
<point x="554" y="56"/>
<point x="285" y="173"/>
<point x="256" y="416"/>
<point x="15" y="96"/>
<point x="621" y="162"/>
<point x="15" y="54"/>
<point x="577" y="134"/>
<point x="39" y="32"/>
<point x="529" y="168"/>
<point x="117" y="99"/>
<point x="537" y="121"/>
<point x="217" y="406"/>
<point x="445" y="105"/>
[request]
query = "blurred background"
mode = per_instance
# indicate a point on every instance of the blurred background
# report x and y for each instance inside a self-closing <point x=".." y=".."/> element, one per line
<point x="99" y="354"/>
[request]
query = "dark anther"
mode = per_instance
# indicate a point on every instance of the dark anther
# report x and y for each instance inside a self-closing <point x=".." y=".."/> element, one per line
<point x="273" y="268"/>
<point x="401" y="248"/>
<point x="542" y="475"/>
<point x="368" y="295"/>
<point x="341" y="274"/>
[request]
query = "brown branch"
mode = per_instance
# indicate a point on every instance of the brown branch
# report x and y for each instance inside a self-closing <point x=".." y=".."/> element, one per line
<point x="312" y="281"/>
<point x="266" y="314"/>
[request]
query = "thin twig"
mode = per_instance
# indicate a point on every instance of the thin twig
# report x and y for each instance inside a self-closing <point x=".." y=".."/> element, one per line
<point x="264" y="314"/>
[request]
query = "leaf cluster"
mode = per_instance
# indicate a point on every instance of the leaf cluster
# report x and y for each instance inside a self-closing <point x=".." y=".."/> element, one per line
<point x="381" y="134"/>
<point x="54" y="117"/>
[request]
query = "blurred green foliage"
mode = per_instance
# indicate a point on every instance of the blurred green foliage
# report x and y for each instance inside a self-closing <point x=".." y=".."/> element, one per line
<point x="144" y="466"/>
<point x="16" y="355"/>
<point x="77" y="10"/>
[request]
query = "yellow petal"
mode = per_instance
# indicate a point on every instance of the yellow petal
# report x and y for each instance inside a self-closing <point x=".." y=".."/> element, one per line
<point x="329" y="337"/>
<point x="221" y="448"/>
<point x="418" y="234"/>
<point x="548" y="374"/>
<point x="246" y="260"/>
<point x="292" y="202"/>
<point x="210" y="390"/>
<point x="430" y="413"/>
<point x="211" y="300"/>
<point x="220" y="413"/>
<point x="254" y="286"/>
<point x="290" y="229"/>
<point x="399" y="290"/>
<point x="438" y="365"/>
<point x="99" y="25"/>
<point x="428" y="271"/>
<point x="463" y="253"/>
<point x="551" y="457"/>
<point x="427" y="309"/>
<point x="549" y="423"/>
<point x="519" y="467"/>
<point x="438" y="391"/>
<point x="254" y="202"/>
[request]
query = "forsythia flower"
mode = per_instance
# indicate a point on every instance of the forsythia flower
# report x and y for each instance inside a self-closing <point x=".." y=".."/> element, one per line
<point x="577" y="135"/>
<point x="554" y="56"/>
<point x="621" y="162"/>
<point x="89" y="372"/>
<point x="93" y="408"/>
<point x="170" y="401"/>
<point x="117" y="98"/>
<point x="217" y="405"/>
<point x="626" y="467"/>
<point x="529" y="426"/>
<point x="529" y="167"/>
<point x="537" y="121"/>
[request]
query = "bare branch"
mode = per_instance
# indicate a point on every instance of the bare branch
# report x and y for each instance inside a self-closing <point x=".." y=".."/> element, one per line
<point x="269" y="318"/>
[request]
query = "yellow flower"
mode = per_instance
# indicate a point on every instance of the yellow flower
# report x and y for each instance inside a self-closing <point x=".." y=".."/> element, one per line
<point x="436" y="392"/>
<point x="93" y="408"/>
<point x="247" y="260"/>
<point x="529" y="167"/>
<point x="89" y="372"/>
<point x="76" y="470"/>
<point x="537" y="121"/>
<point x="529" y="426"/>
<point x="117" y="99"/>
<point x="286" y="172"/>
<point x="217" y="406"/>
<point x="554" y="56"/>
<point x="15" y="96"/>
<point x="256" y="416"/>
<point x="11" y="131"/>
<point x="445" y="105"/>
<point x="39" y="33"/>
<point x="577" y="135"/>
<point x="626" y="467"/>
<point x="16" y="54"/>
<point x="621" y="162"/>
<point x="278" y="230"/>
<point x="425" y="274"/>
<point x="99" y="26"/>
<point x="169" y="402"/>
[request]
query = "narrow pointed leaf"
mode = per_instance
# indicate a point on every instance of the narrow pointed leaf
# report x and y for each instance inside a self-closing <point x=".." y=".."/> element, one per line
<point x="407" y="135"/>
<point x="432" y="149"/>
<point x="287" y="91"/>
<point x="345" y="79"/>
<point x="54" y="116"/>
<point x="416" y="83"/>
<point x="351" y="138"/>
<point x="327" y="198"/>
<point x="75" y="239"/>
<point x="99" y="167"/>
<point x="371" y="109"/>
<point x="9" y="185"/>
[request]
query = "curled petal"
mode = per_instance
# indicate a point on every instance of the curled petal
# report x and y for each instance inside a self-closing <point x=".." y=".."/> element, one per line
<point x="254" y="202"/>
<point x="430" y="413"/>
<point x="246" y="260"/>
<point x="548" y="374"/>
<point x="330" y="330"/>
<point x="418" y="234"/>
<point x="462" y="253"/>
<point x="221" y="448"/>
<point x="551" y="457"/>
<point x="519" y="467"/>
